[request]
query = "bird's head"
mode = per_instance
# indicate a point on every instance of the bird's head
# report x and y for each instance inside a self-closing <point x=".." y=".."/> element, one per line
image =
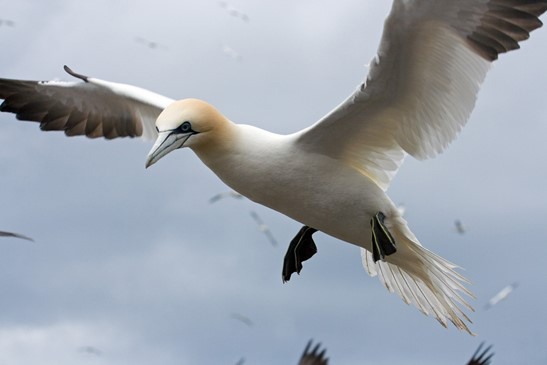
<point x="186" y="123"/>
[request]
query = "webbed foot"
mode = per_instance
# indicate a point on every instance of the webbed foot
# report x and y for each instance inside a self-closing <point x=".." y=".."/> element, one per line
<point x="383" y="243"/>
<point x="300" y="249"/>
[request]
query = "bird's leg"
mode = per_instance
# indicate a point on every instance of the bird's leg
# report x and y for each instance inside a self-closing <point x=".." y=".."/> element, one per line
<point x="300" y="249"/>
<point x="383" y="243"/>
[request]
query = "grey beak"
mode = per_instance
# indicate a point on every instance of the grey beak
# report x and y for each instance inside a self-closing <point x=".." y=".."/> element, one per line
<point x="166" y="142"/>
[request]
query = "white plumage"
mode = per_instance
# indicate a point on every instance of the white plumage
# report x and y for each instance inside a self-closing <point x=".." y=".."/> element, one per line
<point x="332" y="176"/>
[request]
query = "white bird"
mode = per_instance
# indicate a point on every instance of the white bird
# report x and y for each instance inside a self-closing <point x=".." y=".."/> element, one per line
<point x="264" y="228"/>
<point x="233" y="11"/>
<point x="230" y="52"/>
<point x="333" y="175"/>
<point x="226" y="194"/>
<point x="501" y="295"/>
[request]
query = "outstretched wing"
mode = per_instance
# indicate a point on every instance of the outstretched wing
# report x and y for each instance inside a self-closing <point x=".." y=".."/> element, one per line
<point x="91" y="107"/>
<point x="423" y="83"/>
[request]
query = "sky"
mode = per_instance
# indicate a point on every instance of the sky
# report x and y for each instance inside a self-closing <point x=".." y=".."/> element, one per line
<point x="139" y="266"/>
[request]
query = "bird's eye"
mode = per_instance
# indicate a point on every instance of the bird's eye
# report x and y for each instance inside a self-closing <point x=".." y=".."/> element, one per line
<point x="186" y="127"/>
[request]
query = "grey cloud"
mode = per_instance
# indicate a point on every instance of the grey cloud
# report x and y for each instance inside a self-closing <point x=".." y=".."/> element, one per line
<point x="144" y="251"/>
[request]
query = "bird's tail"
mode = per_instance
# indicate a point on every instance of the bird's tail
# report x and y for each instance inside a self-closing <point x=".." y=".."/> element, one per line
<point x="420" y="277"/>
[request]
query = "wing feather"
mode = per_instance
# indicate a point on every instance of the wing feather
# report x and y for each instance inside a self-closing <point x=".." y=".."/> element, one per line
<point x="423" y="83"/>
<point x="92" y="107"/>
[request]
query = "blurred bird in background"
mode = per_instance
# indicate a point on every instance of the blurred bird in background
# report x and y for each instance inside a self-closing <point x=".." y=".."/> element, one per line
<point x="501" y="295"/>
<point x="226" y="194"/>
<point x="15" y="235"/>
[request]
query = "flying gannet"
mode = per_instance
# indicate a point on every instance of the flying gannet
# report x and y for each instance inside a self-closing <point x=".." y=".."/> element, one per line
<point x="332" y="176"/>
<point x="225" y="194"/>
<point x="501" y="295"/>
<point x="263" y="227"/>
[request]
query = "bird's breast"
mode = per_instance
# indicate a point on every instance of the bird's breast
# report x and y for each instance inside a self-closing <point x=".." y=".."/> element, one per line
<point x="315" y="190"/>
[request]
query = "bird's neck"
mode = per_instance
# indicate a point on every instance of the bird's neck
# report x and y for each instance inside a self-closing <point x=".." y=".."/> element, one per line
<point x="221" y="144"/>
<point x="242" y="156"/>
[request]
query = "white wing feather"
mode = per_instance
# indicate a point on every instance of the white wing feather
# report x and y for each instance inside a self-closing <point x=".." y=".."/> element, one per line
<point x="423" y="84"/>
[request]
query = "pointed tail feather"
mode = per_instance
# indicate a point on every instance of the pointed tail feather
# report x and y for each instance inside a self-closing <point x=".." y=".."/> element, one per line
<point x="421" y="277"/>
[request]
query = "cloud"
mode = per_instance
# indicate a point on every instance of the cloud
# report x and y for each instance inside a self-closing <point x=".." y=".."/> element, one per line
<point x="138" y="264"/>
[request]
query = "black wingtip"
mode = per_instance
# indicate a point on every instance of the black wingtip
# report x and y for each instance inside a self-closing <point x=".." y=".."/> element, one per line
<point x="69" y="71"/>
<point x="482" y="358"/>
<point x="15" y="235"/>
<point x="315" y="355"/>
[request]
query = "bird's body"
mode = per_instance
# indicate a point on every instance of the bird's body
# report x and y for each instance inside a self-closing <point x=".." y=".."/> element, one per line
<point x="332" y="176"/>
<point x="272" y="170"/>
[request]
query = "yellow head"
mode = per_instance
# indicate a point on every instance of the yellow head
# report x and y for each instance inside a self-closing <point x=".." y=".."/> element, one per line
<point x="186" y="123"/>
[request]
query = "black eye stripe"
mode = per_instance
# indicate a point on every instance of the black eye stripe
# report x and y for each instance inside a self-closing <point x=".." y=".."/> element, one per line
<point x="185" y="127"/>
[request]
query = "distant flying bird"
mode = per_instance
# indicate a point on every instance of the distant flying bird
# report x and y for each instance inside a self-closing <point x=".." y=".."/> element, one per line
<point x="481" y="358"/>
<point x="332" y="176"/>
<point x="243" y="319"/>
<point x="227" y="194"/>
<point x="459" y="226"/>
<point x="15" y="235"/>
<point x="233" y="11"/>
<point x="501" y="295"/>
<point x="7" y="22"/>
<point x="150" y="44"/>
<point x="230" y="52"/>
<point x="90" y="350"/>
<point x="313" y="356"/>
<point x="264" y="228"/>
<point x="241" y="361"/>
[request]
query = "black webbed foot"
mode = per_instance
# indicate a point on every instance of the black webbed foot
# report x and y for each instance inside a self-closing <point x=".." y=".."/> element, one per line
<point x="383" y="243"/>
<point x="300" y="249"/>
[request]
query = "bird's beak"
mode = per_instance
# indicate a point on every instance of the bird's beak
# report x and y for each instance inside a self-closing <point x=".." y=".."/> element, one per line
<point x="167" y="141"/>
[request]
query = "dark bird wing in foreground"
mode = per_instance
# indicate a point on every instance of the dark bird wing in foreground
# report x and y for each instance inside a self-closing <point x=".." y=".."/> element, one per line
<point x="481" y="358"/>
<point x="313" y="356"/>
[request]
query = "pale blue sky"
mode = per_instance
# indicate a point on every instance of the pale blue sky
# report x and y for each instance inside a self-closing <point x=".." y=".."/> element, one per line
<point x="138" y="264"/>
